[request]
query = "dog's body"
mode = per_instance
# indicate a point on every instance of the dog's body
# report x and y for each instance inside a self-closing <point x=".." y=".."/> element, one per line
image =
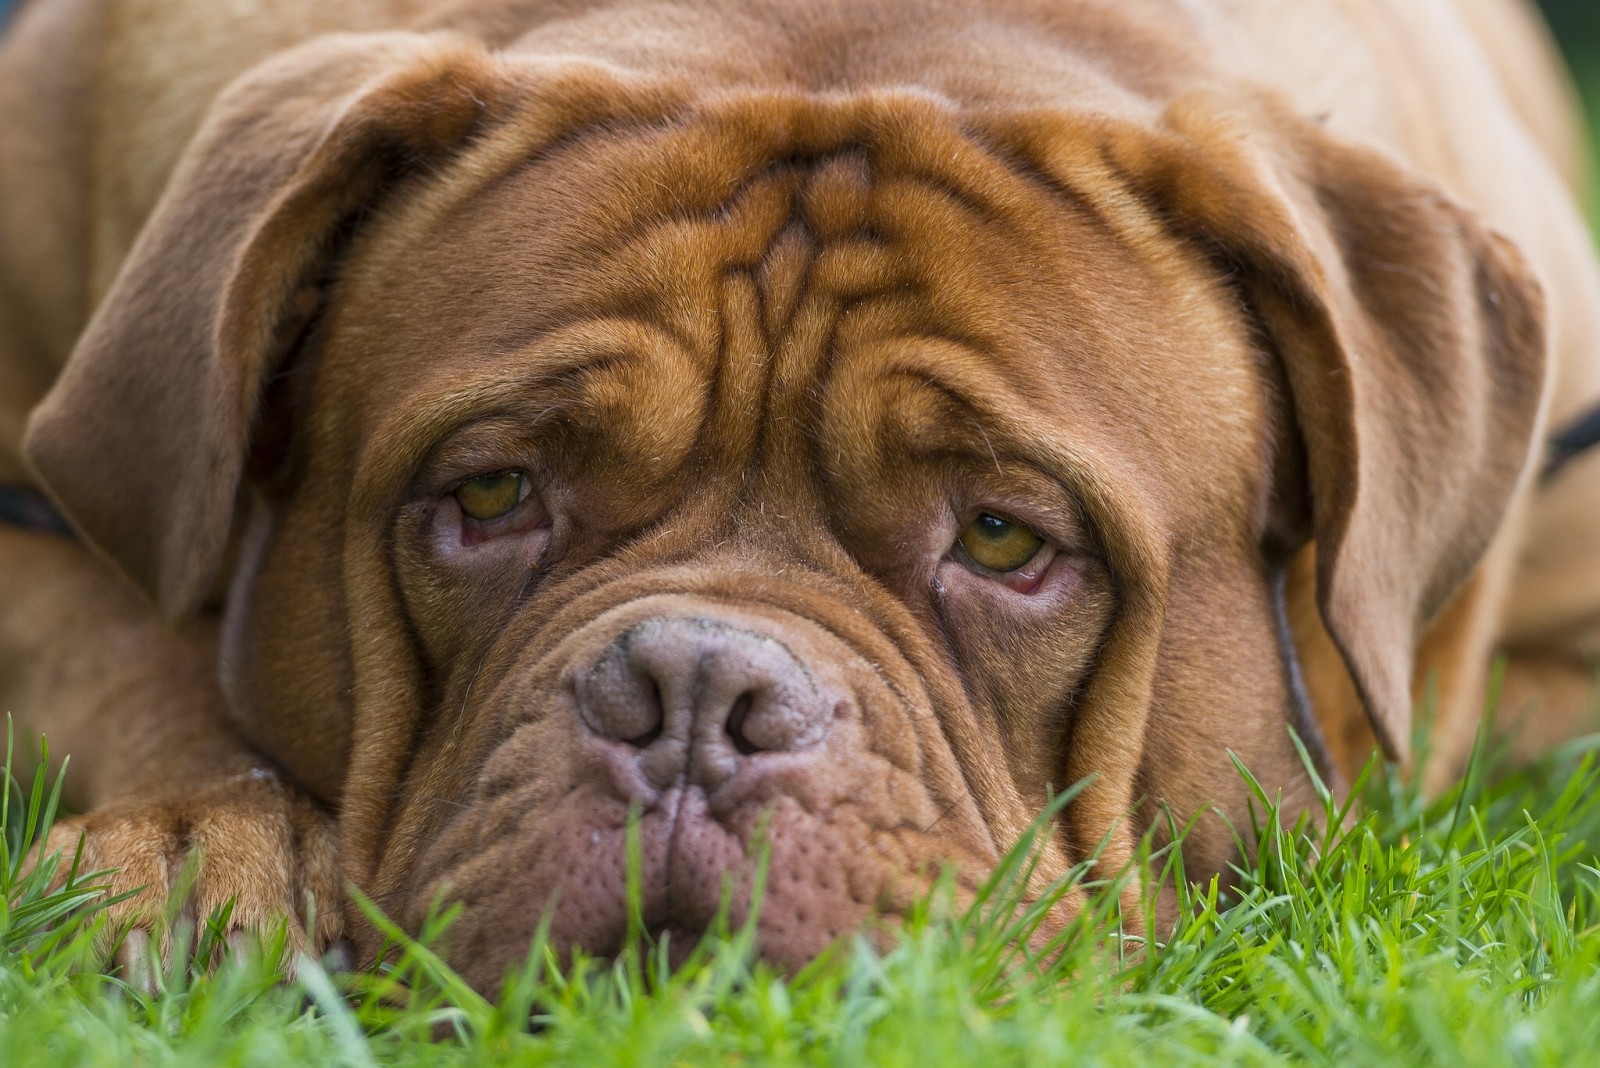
<point x="766" y="308"/>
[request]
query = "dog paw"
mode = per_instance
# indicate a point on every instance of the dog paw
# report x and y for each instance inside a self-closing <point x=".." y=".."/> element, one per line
<point x="248" y="840"/>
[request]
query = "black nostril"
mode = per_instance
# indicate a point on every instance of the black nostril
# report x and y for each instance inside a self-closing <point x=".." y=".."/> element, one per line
<point x="737" y="715"/>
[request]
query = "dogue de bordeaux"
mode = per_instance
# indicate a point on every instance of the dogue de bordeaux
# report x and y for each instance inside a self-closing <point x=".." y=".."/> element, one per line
<point x="434" y="430"/>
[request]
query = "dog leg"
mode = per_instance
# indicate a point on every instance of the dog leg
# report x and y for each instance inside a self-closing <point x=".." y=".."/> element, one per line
<point x="1551" y="639"/>
<point x="155" y="766"/>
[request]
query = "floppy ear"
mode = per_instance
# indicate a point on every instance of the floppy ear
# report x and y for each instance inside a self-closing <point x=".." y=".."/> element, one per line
<point x="1413" y="343"/>
<point x="143" y="439"/>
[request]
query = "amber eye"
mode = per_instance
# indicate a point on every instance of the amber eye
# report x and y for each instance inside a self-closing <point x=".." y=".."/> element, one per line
<point x="492" y="496"/>
<point x="999" y="544"/>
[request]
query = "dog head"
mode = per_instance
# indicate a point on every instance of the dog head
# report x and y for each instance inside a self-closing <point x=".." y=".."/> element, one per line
<point x="841" y="470"/>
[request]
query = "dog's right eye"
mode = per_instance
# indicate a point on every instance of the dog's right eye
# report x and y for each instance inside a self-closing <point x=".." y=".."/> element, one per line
<point x="999" y="544"/>
<point x="492" y="496"/>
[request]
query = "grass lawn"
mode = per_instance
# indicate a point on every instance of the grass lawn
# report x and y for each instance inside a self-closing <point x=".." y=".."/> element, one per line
<point x="1463" y="931"/>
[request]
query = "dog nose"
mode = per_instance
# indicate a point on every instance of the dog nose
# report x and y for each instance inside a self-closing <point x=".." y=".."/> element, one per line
<point x="695" y="697"/>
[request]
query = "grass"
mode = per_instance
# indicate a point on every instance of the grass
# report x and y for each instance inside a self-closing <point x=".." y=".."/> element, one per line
<point x="1459" y="931"/>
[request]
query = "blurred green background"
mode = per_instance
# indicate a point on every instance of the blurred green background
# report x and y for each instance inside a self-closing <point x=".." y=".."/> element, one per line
<point x="1577" y="27"/>
<point x="1576" y="24"/>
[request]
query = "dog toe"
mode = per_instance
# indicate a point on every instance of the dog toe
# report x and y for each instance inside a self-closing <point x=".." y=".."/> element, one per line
<point x="246" y="854"/>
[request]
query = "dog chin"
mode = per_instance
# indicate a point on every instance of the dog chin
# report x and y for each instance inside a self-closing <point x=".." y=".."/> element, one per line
<point x="810" y="879"/>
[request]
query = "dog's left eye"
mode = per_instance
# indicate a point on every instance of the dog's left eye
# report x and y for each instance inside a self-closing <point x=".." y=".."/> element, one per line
<point x="492" y="496"/>
<point x="999" y="544"/>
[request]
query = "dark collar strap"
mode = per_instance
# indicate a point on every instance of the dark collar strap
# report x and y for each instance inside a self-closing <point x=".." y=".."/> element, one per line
<point x="31" y="510"/>
<point x="1579" y="436"/>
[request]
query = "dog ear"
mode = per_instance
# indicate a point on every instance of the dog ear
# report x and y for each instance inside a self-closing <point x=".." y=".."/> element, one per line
<point x="144" y="438"/>
<point x="1413" y="342"/>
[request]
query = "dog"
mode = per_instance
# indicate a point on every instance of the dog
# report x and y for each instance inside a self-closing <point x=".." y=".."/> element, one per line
<point x="827" y="428"/>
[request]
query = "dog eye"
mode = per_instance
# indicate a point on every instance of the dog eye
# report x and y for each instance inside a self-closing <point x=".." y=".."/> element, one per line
<point x="492" y="496"/>
<point x="999" y="544"/>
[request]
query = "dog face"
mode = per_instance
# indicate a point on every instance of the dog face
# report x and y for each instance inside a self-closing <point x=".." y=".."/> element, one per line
<point x="841" y="472"/>
<point x="753" y="439"/>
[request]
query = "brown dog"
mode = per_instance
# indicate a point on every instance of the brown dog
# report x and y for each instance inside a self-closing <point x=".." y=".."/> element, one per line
<point x="852" y="419"/>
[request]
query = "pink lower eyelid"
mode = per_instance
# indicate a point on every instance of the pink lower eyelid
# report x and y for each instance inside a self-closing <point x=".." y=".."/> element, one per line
<point x="1025" y="582"/>
<point x="1032" y="573"/>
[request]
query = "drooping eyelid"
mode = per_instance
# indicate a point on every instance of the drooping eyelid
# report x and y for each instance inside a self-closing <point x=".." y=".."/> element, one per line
<point x="491" y="423"/>
<point x="1009" y="474"/>
<point x="992" y="430"/>
<point x="1044" y="507"/>
<point x="492" y="445"/>
<point x="524" y="482"/>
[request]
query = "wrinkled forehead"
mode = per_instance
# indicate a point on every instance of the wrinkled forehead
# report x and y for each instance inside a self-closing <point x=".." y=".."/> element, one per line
<point x="800" y="248"/>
